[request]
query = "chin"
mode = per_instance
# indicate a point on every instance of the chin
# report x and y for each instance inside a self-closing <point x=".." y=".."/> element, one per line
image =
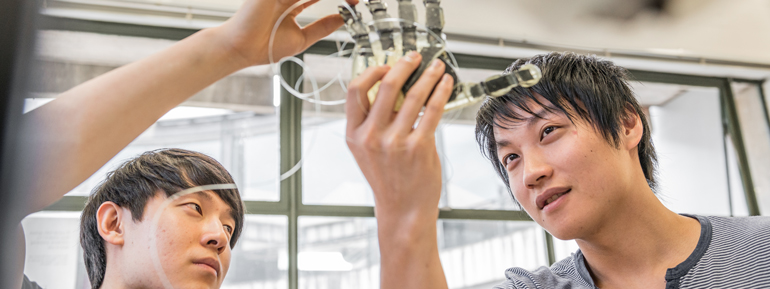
<point x="564" y="236"/>
<point x="567" y="229"/>
<point x="192" y="282"/>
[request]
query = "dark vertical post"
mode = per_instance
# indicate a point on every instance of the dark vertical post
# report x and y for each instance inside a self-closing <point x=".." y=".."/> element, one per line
<point x="290" y="116"/>
<point x="17" y="19"/>
<point x="763" y="100"/>
<point x="734" y="128"/>
<point x="549" y="248"/>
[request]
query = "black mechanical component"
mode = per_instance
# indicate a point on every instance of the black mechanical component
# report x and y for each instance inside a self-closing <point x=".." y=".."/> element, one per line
<point x="385" y="29"/>
<point x="428" y="55"/>
<point x="434" y="19"/>
<point x="408" y="13"/>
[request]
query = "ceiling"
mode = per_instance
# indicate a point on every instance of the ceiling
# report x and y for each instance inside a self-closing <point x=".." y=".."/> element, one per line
<point x="717" y="29"/>
<point x="719" y="38"/>
<point x="709" y="29"/>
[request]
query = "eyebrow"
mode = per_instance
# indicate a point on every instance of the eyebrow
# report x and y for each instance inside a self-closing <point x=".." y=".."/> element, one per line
<point x="529" y="122"/>
<point x="207" y="197"/>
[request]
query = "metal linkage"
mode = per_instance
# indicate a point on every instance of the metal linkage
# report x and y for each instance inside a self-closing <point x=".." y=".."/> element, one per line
<point x="385" y="29"/>
<point x="498" y="85"/>
<point x="357" y="29"/>
<point x="408" y="13"/>
<point x="468" y="93"/>
<point x="434" y="19"/>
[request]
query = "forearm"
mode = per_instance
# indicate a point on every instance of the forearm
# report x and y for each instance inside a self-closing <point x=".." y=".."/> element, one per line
<point x="409" y="252"/>
<point x="401" y="163"/>
<point x="70" y="138"/>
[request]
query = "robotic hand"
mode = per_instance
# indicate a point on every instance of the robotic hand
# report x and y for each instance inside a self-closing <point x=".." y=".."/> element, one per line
<point x="397" y="36"/>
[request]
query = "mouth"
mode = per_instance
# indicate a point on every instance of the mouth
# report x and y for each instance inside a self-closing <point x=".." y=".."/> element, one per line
<point x="550" y="196"/>
<point x="210" y="263"/>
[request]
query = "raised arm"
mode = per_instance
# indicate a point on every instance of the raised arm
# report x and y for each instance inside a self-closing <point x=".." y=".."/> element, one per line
<point x="401" y="163"/>
<point x="70" y="138"/>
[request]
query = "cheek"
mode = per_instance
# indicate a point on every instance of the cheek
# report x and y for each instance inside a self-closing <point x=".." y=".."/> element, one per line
<point x="174" y="236"/>
<point x="520" y="194"/>
<point x="225" y="259"/>
<point x="576" y="156"/>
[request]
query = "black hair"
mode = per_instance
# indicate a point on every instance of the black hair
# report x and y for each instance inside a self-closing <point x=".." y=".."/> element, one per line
<point x="586" y="87"/>
<point x="136" y="181"/>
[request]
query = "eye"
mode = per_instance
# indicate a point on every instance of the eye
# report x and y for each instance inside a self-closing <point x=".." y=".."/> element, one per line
<point x="546" y="131"/>
<point x="195" y="207"/>
<point x="228" y="229"/>
<point x="509" y="158"/>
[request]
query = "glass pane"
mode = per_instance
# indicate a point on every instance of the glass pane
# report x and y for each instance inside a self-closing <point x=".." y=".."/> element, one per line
<point x="259" y="257"/>
<point x="470" y="180"/>
<point x="343" y="252"/>
<point x="756" y="139"/>
<point x="330" y="175"/>
<point x="338" y="253"/>
<point x="233" y="121"/>
<point x="563" y="249"/>
<point x="54" y="258"/>
<point x="475" y="254"/>
<point x="688" y="137"/>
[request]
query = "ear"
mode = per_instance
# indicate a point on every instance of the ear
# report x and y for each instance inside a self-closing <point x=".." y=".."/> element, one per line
<point x="632" y="128"/>
<point x="109" y="222"/>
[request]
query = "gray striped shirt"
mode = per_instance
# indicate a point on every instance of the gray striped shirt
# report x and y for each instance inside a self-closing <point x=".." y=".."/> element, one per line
<point x="731" y="253"/>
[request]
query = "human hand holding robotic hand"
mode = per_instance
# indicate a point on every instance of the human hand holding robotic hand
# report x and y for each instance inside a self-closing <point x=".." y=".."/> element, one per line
<point x="385" y="40"/>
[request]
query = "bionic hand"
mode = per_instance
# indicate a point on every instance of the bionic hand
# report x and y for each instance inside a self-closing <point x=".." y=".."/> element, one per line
<point x="385" y="39"/>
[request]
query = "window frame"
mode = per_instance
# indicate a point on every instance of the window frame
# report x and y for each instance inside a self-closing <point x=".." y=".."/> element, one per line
<point x="290" y="135"/>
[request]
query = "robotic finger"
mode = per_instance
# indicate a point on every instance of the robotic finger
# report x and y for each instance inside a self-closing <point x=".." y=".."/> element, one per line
<point x="397" y="36"/>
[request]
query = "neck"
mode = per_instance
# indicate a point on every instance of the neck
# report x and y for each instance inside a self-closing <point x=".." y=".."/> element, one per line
<point x="112" y="279"/>
<point x="639" y="242"/>
<point x="114" y="275"/>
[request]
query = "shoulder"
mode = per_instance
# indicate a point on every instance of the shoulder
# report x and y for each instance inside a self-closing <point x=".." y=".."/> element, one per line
<point x="721" y="237"/>
<point x="726" y="230"/>
<point x="746" y="224"/>
<point x="736" y="248"/>
<point x="563" y="274"/>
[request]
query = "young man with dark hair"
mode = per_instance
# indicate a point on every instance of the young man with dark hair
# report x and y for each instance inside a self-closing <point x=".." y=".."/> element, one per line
<point x="65" y="141"/>
<point x="575" y="152"/>
<point x="116" y="223"/>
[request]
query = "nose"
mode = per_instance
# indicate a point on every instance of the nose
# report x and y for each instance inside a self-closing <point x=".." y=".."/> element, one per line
<point x="536" y="170"/>
<point x="214" y="236"/>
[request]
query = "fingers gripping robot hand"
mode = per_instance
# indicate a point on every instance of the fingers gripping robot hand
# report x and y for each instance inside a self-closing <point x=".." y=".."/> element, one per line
<point x="385" y="40"/>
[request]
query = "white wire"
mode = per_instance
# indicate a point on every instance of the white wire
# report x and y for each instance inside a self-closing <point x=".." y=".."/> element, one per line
<point x="314" y="96"/>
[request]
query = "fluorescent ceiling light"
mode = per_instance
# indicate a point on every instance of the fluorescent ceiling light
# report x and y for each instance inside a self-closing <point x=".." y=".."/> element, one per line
<point x="185" y="112"/>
